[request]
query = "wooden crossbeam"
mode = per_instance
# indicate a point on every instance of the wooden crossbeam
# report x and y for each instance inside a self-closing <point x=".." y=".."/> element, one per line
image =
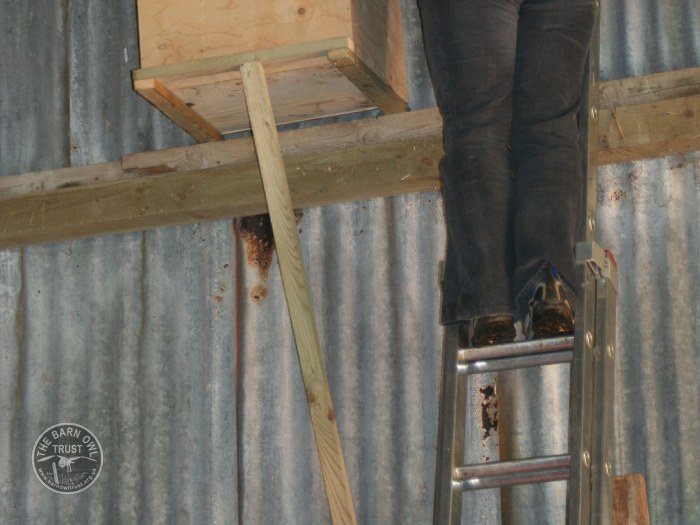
<point x="649" y="116"/>
<point x="361" y="160"/>
<point x="365" y="159"/>
<point x="650" y="88"/>
<point x="649" y="130"/>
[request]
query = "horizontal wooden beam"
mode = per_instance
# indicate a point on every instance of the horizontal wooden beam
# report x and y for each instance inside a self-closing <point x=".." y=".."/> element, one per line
<point x="416" y="125"/>
<point x="284" y="57"/>
<point x="650" y="88"/>
<point x="378" y="158"/>
<point x="649" y="116"/>
<point x="649" y="130"/>
<point x="363" y="159"/>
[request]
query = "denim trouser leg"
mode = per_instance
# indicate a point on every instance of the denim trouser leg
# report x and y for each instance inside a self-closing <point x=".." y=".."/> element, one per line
<point x="506" y="73"/>
<point x="553" y="42"/>
<point x="470" y="47"/>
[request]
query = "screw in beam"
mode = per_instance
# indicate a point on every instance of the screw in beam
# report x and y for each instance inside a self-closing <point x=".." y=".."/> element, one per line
<point x="586" y="459"/>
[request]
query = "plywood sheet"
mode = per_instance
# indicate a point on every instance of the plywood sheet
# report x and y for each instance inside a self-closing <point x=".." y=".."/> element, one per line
<point x="172" y="31"/>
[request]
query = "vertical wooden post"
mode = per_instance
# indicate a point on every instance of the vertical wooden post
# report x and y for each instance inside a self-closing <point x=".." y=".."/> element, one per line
<point x="630" y="500"/>
<point x="279" y="203"/>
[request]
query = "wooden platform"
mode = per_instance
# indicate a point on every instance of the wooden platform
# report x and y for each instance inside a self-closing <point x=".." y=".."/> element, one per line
<point x="306" y="81"/>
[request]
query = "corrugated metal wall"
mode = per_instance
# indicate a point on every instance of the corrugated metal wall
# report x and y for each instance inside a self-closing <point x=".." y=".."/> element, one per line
<point x="177" y="352"/>
<point x="649" y="215"/>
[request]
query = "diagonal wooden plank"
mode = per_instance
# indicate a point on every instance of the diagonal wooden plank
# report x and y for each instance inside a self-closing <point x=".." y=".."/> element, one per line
<point x="295" y="285"/>
<point x="170" y="104"/>
<point x="367" y="81"/>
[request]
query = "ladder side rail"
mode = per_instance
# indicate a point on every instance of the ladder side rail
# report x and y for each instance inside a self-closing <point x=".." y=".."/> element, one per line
<point x="588" y="133"/>
<point x="447" y="507"/>
<point x="580" y="395"/>
<point x="604" y="402"/>
<point x="581" y="401"/>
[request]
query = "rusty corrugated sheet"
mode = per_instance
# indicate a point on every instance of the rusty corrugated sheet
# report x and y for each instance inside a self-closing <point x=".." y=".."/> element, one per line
<point x="178" y="354"/>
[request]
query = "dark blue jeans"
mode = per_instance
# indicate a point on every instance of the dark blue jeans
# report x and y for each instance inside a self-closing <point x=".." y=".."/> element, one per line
<point x="507" y="76"/>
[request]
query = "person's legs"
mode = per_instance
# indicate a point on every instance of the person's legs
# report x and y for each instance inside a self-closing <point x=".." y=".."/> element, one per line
<point x="470" y="45"/>
<point x="553" y="41"/>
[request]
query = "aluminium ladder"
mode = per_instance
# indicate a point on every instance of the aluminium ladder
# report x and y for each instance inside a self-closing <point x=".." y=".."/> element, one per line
<point x="591" y="352"/>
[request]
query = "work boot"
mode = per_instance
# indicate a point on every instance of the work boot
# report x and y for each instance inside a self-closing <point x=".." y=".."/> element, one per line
<point x="549" y="311"/>
<point x="493" y="330"/>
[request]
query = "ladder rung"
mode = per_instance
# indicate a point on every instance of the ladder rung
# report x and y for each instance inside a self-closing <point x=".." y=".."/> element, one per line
<point x="522" y="354"/>
<point x="523" y="361"/>
<point x="514" y="472"/>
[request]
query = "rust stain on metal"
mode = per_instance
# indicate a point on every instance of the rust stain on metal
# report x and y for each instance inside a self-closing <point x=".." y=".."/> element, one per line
<point x="218" y="300"/>
<point x="256" y="231"/>
<point x="298" y="216"/>
<point x="617" y="195"/>
<point x="258" y="293"/>
<point x="489" y="410"/>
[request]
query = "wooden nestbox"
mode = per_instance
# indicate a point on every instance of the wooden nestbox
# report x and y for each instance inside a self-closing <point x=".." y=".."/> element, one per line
<point x="321" y="58"/>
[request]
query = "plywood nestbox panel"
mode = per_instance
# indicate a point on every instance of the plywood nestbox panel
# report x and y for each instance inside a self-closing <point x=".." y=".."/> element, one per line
<point x="321" y="57"/>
